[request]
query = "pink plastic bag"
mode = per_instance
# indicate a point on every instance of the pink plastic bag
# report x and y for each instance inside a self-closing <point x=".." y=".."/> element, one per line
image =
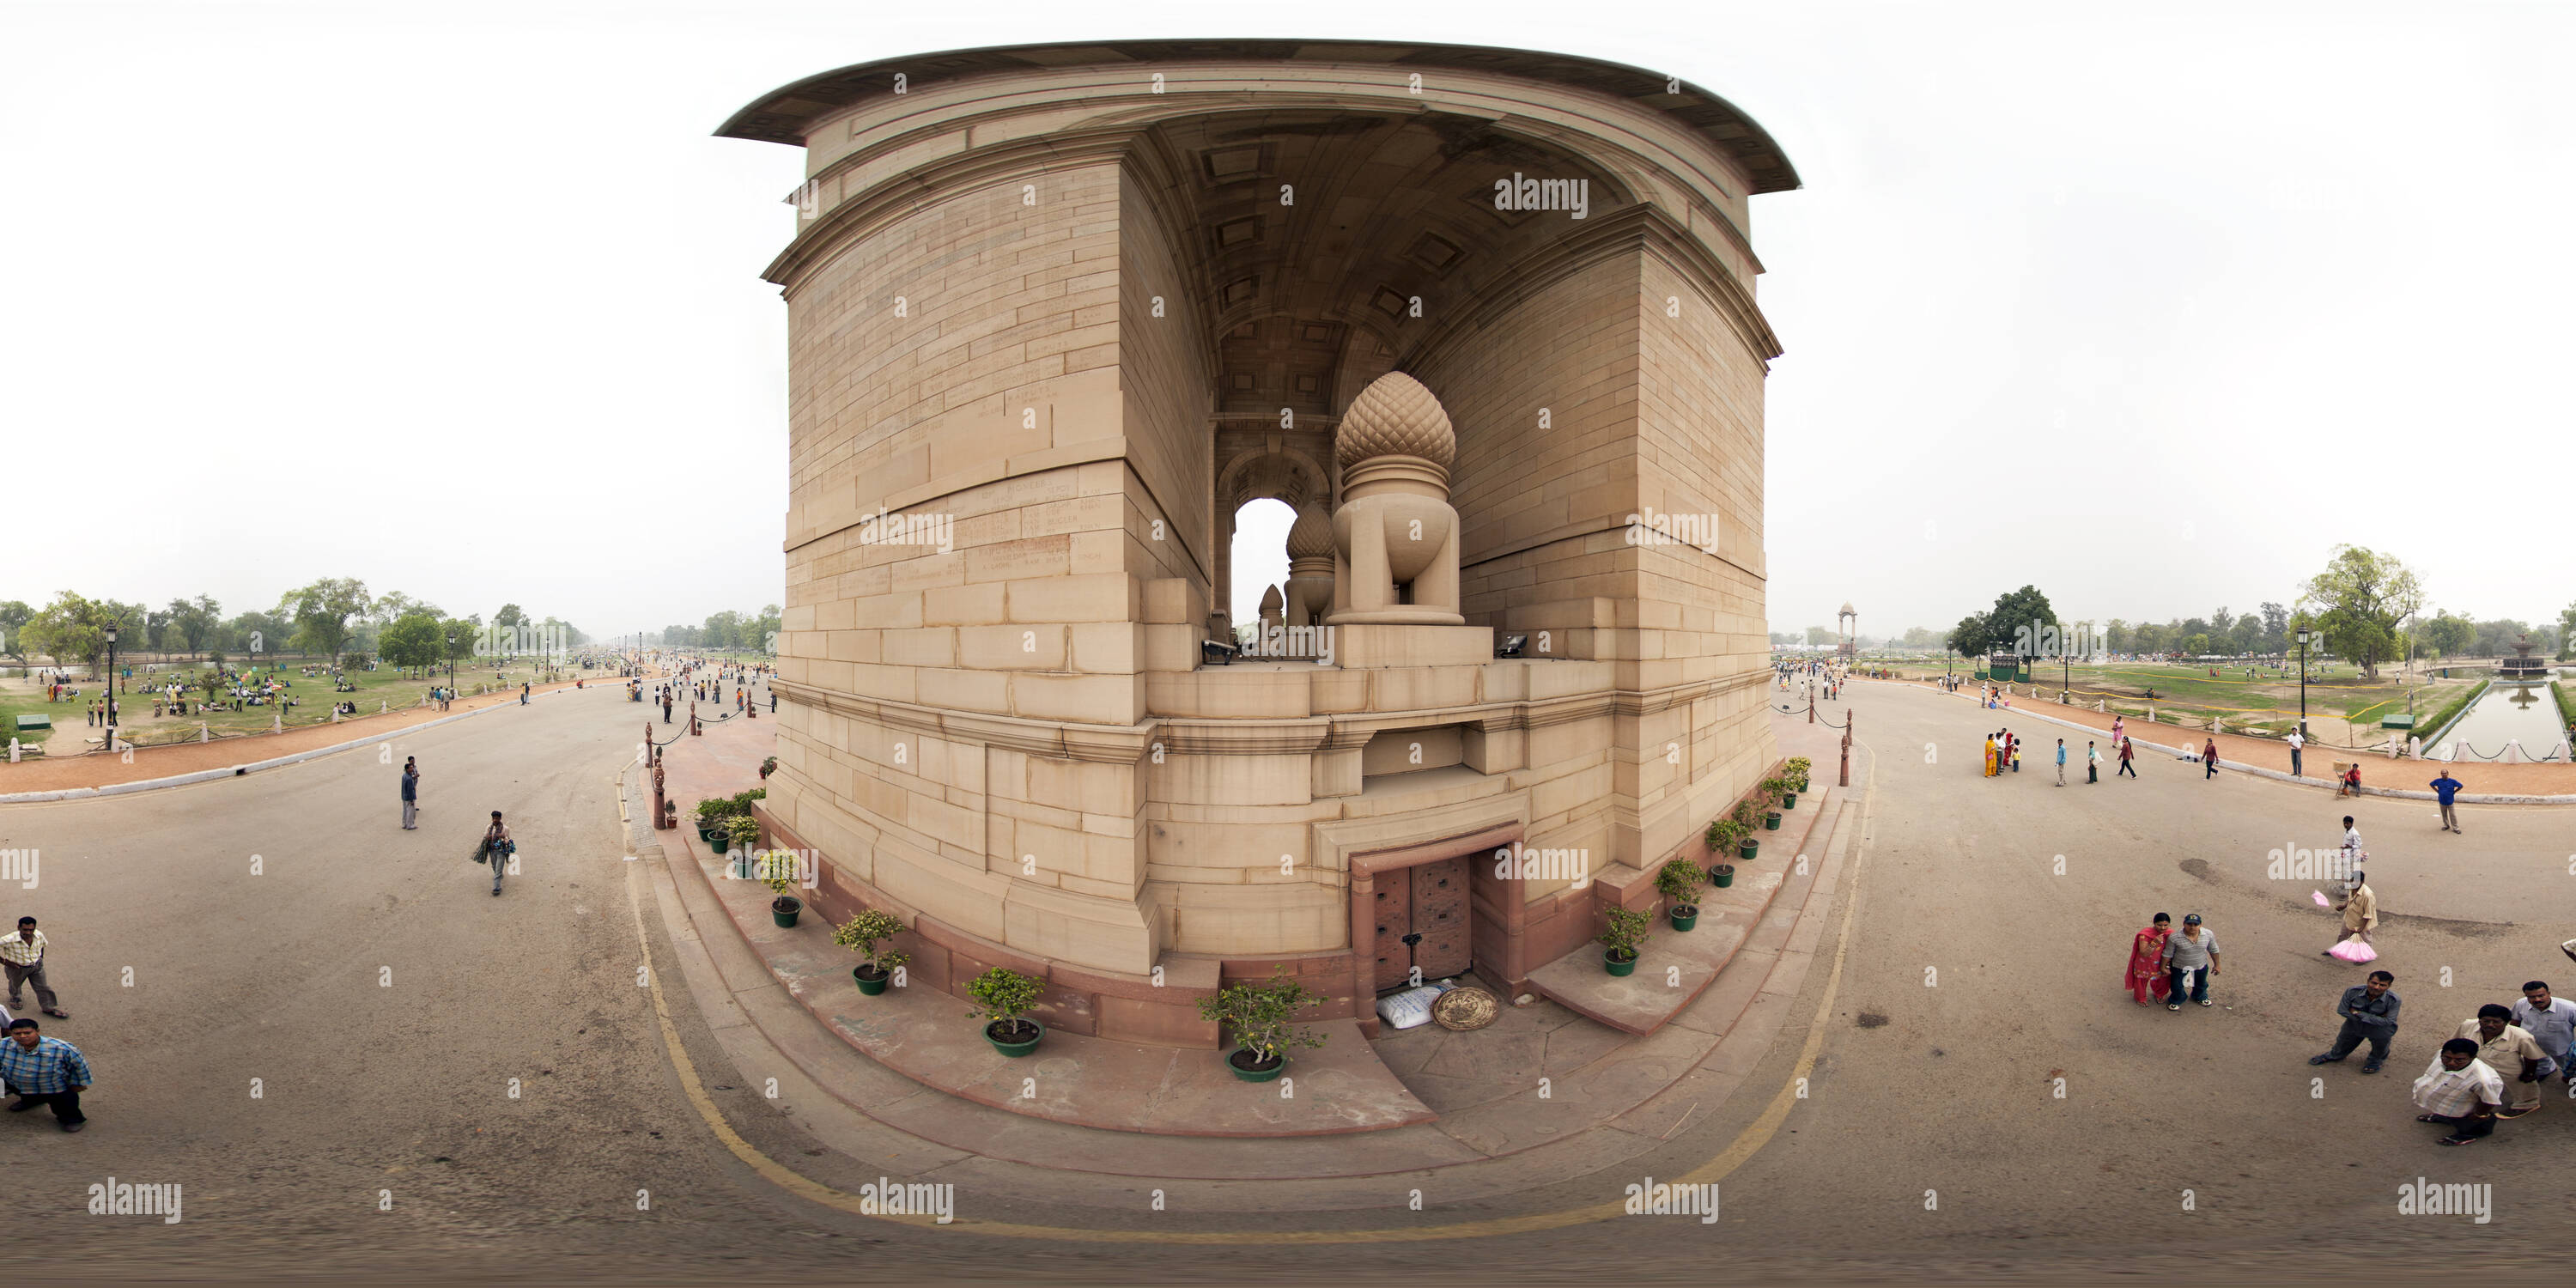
<point x="2355" y="951"/>
<point x="2320" y="897"/>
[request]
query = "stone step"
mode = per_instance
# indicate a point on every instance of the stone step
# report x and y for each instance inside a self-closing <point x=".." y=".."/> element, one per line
<point x="924" y="1035"/>
<point x="1676" y="966"/>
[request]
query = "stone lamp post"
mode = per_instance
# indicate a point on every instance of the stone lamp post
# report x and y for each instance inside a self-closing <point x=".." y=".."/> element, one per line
<point x="1396" y="537"/>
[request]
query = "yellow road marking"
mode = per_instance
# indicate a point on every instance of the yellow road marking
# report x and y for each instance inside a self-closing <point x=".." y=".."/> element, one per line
<point x="1746" y="1144"/>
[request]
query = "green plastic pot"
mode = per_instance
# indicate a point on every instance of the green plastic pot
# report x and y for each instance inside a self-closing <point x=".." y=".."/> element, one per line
<point x="1788" y="800"/>
<point x="1618" y="967"/>
<point x="1722" y="876"/>
<point x="1016" y="1049"/>
<point x="785" y="919"/>
<point x="1683" y="920"/>
<point x="871" y="987"/>
<point x="1748" y="850"/>
<point x="1771" y="821"/>
<point x="1235" y="1063"/>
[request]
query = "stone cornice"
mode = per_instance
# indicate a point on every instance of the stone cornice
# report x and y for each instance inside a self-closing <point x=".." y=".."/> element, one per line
<point x="1262" y="736"/>
<point x="1055" y="739"/>
<point x="790" y="113"/>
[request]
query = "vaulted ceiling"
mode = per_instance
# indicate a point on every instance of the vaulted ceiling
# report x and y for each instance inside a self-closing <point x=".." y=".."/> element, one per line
<point x="1312" y="234"/>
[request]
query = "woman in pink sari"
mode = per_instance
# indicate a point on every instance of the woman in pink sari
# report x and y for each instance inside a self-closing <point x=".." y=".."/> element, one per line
<point x="2119" y="728"/>
<point x="2145" y="976"/>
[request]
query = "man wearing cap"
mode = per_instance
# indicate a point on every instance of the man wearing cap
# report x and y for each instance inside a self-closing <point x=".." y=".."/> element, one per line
<point x="2460" y="1091"/>
<point x="2513" y="1053"/>
<point x="2190" y="957"/>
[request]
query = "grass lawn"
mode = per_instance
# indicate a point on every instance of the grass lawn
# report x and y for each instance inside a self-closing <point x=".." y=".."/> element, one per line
<point x="2268" y="702"/>
<point x="383" y="687"/>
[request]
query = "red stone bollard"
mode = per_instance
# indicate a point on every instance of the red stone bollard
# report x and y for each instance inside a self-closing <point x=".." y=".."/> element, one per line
<point x="1847" y="733"/>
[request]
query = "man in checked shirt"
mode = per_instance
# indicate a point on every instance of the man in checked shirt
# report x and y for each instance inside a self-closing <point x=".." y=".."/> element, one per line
<point x="44" y="1071"/>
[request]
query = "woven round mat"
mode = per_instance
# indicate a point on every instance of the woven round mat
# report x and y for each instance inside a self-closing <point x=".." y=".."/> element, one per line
<point x="1465" y="1007"/>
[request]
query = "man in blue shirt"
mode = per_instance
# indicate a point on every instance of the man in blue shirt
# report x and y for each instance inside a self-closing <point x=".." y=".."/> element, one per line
<point x="44" y="1071"/>
<point x="2444" y="788"/>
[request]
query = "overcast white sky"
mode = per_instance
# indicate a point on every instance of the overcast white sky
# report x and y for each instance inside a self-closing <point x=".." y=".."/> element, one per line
<point x="2150" y="306"/>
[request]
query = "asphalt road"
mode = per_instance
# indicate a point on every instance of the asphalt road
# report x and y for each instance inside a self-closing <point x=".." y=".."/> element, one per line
<point x="282" y="928"/>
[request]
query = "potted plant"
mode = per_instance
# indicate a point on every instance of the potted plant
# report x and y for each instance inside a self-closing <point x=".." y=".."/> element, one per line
<point x="768" y="767"/>
<point x="741" y="832"/>
<point x="778" y="872"/>
<point x="1722" y="875"/>
<point x="861" y="934"/>
<point x="1626" y="933"/>
<point x="1261" y="1017"/>
<point x="1678" y="881"/>
<point x="1772" y="790"/>
<point x="1002" y="1000"/>
<point x="711" y="813"/>
<point x="1795" y="774"/>
<point x="1746" y="844"/>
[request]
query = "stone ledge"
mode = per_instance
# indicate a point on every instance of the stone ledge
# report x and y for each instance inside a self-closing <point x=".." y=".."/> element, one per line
<point x="925" y="1035"/>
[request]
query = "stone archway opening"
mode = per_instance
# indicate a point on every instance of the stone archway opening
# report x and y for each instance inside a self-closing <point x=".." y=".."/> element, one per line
<point x="1258" y="561"/>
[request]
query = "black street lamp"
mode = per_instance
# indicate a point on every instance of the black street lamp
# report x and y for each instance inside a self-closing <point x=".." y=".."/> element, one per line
<point x="2304" y="636"/>
<point x="111" y="688"/>
<point x="451" y="662"/>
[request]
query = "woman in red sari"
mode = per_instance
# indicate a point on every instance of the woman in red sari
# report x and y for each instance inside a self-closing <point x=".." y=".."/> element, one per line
<point x="2145" y="974"/>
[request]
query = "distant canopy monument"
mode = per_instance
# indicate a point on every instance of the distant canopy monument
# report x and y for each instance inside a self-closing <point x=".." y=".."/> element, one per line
<point x="2522" y="667"/>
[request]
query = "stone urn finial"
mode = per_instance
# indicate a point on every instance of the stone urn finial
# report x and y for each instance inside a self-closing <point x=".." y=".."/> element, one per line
<point x="1396" y="537"/>
<point x="1310" y="566"/>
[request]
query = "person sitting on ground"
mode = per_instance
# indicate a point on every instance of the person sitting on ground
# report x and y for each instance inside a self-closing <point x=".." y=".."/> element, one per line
<point x="2461" y="1092"/>
<point x="2351" y="781"/>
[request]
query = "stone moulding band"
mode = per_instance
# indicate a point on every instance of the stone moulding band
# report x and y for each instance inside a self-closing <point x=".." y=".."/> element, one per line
<point x="1263" y="736"/>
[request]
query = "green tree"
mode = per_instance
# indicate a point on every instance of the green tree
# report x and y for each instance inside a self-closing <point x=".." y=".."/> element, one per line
<point x="258" y="633"/>
<point x="509" y="617"/>
<point x="414" y="639"/>
<point x="74" y="628"/>
<point x="724" y="630"/>
<point x="2566" y="632"/>
<point x="195" y="620"/>
<point x="456" y="638"/>
<point x="14" y="615"/>
<point x="2276" y="629"/>
<point x="322" y="611"/>
<point x="2020" y="619"/>
<point x="2359" y="600"/>
<point x="1968" y="638"/>
<point x="2444" y="635"/>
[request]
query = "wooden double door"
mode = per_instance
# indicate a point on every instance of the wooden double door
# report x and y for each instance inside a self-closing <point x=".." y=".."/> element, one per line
<point x="1422" y="922"/>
